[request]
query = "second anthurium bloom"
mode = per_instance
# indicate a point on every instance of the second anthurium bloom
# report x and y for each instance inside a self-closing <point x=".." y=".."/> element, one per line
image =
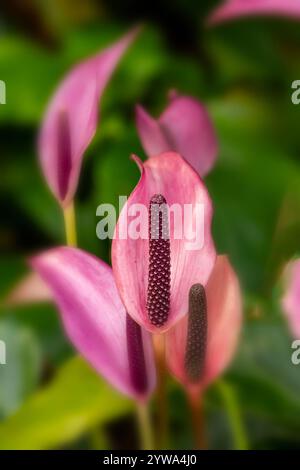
<point x="96" y="321"/>
<point x="184" y="127"/>
<point x="155" y="271"/>
<point x="71" y="119"/>
<point x="202" y="344"/>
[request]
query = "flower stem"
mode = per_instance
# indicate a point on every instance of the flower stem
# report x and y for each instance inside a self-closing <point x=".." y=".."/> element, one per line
<point x="234" y="415"/>
<point x="145" y="426"/>
<point x="70" y="224"/>
<point x="196" y="410"/>
<point x="162" y="422"/>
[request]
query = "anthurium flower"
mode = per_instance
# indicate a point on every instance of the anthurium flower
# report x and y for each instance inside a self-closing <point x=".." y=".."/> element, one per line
<point x="233" y="9"/>
<point x="291" y="298"/>
<point x="71" y="119"/>
<point x="202" y="344"/>
<point x="96" y="321"/>
<point x="155" y="271"/>
<point x="184" y="127"/>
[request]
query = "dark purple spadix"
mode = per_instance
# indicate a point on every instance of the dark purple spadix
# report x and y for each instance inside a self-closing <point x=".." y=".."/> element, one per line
<point x="195" y="352"/>
<point x="136" y="355"/>
<point x="64" y="159"/>
<point x="158" y="295"/>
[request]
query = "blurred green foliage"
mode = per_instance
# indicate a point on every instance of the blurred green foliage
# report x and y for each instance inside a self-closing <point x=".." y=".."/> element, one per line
<point x="75" y="401"/>
<point x="243" y="71"/>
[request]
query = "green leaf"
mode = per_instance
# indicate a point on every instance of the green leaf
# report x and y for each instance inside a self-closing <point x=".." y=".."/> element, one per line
<point x="20" y="375"/>
<point x="252" y="177"/>
<point x="248" y="51"/>
<point x="71" y="404"/>
<point x="43" y="320"/>
<point x="266" y="381"/>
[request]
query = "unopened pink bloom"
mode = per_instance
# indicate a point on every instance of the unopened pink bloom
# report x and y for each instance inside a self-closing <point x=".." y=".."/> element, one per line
<point x="291" y="298"/>
<point x="154" y="276"/>
<point x="71" y="119"/>
<point x="211" y="336"/>
<point x="184" y="127"/>
<point x="96" y="321"/>
<point x="234" y="9"/>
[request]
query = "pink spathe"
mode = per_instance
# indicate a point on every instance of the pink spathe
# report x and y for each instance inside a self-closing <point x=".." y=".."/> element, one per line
<point x="170" y="176"/>
<point x="95" y="319"/>
<point x="224" y="320"/>
<point x="71" y="119"/>
<point x="235" y="9"/>
<point x="184" y="127"/>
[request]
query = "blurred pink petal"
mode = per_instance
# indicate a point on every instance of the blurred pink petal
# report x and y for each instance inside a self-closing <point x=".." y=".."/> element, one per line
<point x="96" y="321"/>
<point x="30" y="289"/>
<point x="184" y="127"/>
<point x="224" y="318"/>
<point x="167" y="175"/>
<point x="291" y="298"/>
<point x="233" y="9"/>
<point x="71" y="119"/>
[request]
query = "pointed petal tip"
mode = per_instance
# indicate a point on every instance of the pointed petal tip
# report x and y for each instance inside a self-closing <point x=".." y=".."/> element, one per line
<point x="144" y="122"/>
<point x="138" y="162"/>
<point x="136" y="30"/>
